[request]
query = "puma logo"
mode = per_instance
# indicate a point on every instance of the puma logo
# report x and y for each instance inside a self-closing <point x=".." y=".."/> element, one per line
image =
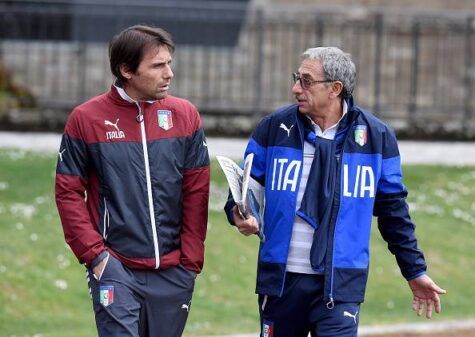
<point x="347" y="314"/>
<point x="186" y="306"/>
<point x="113" y="124"/>
<point x="60" y="153"/>
<point x="283" y="126"/>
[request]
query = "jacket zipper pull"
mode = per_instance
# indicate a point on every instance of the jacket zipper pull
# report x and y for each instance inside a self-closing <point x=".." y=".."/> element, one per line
<point x="139" y="117"/>
<point x="331" y="304"/>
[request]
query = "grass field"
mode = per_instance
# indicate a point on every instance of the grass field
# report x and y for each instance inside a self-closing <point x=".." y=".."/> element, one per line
<point x="43" y="291"/>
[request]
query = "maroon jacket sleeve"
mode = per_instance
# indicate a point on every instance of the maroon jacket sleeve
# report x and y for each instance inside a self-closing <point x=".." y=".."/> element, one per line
<point x="72" y="182"/>
<point x="195" y="198"/>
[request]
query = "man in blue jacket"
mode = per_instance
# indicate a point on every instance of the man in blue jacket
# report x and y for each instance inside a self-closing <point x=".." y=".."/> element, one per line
<point x="327" y="167"/>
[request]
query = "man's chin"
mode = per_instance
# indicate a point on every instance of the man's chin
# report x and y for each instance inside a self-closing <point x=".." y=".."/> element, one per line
<point x="161" y="95"/>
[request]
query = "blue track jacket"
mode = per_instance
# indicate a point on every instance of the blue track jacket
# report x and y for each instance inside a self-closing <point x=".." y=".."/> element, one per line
<point x="368" y="181"/>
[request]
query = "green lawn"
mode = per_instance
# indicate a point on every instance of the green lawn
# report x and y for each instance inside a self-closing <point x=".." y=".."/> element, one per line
<point x="43" y="291"/>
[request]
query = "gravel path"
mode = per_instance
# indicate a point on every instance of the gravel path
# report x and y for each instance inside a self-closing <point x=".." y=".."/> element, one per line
<point x="444" y="153"/>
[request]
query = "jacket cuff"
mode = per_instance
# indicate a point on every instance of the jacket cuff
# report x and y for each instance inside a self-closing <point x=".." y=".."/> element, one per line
<point x="228" y="210"/>
<point x="98" y="259"/>
<point x="231" y="216"/>
<point x="415" y="276"/>
<point x="195" y="267"/>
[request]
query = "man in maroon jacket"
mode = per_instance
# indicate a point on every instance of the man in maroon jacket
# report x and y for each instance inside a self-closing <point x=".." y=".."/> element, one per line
<point x="132" y="189"/>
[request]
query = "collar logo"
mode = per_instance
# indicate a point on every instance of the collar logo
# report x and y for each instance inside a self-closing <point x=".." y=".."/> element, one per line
<point x="361" y="136"/>
<point x="117" y="133"/>
<point x="165" y="120"/>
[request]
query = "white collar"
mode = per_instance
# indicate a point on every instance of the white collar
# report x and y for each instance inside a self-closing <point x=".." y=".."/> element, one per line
<point x="126" y="97"/>
<point x="330" y="132"/>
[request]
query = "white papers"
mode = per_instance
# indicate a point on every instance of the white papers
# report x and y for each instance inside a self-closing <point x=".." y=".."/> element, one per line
<point x="248" y="194"/>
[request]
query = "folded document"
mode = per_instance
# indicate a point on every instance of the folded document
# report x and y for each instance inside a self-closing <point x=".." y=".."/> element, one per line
<point x="248" y="194"/>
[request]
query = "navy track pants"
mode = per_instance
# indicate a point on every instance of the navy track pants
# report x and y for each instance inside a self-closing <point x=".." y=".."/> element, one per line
<point x="301" y="310"/>
<point x="141" y="303"/>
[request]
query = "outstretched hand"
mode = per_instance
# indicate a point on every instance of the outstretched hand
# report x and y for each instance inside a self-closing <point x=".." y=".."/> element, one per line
<point x="425" y="294"/>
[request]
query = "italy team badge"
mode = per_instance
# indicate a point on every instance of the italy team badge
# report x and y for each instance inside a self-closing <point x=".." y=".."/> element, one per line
<point x="106" y="295"/>
<point x="165" y="120"/>
<point x="267" y="329"/>
<point x="360" y="135"/>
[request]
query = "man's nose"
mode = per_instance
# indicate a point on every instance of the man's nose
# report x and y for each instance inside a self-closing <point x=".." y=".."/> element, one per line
<point x="168" y="72"/>
<point x="297" y="88"/>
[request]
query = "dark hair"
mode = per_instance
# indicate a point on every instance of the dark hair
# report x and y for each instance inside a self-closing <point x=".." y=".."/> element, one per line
<point x="128" y="47"/>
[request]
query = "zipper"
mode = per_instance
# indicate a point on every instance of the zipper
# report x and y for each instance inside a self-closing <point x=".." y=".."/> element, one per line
<point x="141" y="120"/>
<point x="331" y="303"/>
<point x="106" y="220"/>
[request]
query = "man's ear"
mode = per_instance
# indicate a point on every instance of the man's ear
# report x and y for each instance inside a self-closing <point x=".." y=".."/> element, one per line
<point x="125" y="71"/>
<point x="337" y="88"/>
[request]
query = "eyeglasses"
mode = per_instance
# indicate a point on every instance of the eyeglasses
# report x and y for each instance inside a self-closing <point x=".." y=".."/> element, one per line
<point x="306" y="83"/>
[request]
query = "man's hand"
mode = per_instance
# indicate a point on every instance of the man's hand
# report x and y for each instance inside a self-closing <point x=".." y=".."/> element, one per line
<point x="425" y="293"/>
<point x="99" y="269"/>
<point x="245" y="226"/>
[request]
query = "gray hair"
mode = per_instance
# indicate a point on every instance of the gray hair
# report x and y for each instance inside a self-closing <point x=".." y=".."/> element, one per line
<point x="337" y="66"/>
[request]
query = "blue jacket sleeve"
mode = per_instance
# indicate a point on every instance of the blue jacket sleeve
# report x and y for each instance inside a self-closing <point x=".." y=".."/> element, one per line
<point x="391" y="208"/>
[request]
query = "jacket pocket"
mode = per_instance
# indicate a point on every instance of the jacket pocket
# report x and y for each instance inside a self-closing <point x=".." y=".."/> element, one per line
<point x="191" y="273"/>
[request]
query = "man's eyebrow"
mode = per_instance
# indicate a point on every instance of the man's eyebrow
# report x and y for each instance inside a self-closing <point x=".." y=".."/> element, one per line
<point x="303" y="72"/>
<point x="306" y="75"/>
<point x="158" y="63"/>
